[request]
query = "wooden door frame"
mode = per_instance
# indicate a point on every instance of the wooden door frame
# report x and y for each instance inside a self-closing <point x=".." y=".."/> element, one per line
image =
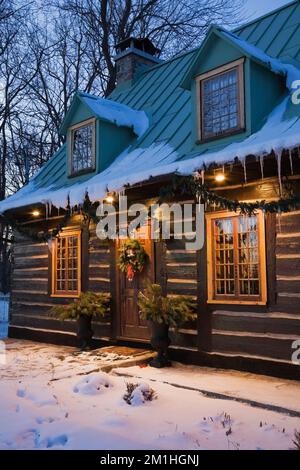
<point x="116" y="311"/>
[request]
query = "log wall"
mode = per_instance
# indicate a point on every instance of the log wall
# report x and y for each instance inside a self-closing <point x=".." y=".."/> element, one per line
<point x="31" y="282"/>
<point x="270" y="333"/>
<point x="252" y="331"/>
<point x="181" y="278"/>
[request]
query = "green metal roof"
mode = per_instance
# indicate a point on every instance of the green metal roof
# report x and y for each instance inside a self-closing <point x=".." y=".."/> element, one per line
<point x="277" y="33"/>
<point x="158" y="91"/>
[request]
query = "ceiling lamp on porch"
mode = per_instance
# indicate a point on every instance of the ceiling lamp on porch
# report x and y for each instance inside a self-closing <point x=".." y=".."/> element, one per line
<point x="110" y="199"/>
<point x="220" y="176"/>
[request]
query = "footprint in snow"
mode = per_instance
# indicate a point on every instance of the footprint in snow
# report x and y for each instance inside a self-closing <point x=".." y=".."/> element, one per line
<point x="56" y="441"/>
<point x="41" y="420"/>
<point x="31" y="439"/>
<point x="28" y="439"/>
<point x="37" y="400"/>
<point x="116" y="421"/>
<point x="205" y="426"/>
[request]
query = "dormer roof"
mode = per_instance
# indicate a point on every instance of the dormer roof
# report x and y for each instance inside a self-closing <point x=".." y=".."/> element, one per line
<point x="109" y="111"/>
<point x="246" y="49"/>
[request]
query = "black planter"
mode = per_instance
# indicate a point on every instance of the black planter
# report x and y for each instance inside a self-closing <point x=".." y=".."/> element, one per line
<point x="84" y="331"/>
<point x="160" y="342"/>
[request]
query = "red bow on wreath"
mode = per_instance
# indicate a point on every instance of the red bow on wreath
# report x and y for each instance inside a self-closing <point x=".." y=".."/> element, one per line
<point x="130" y="273"/>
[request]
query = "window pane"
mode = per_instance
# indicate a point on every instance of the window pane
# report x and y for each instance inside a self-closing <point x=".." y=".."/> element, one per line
<point x="82" y="148"/>
<point x="220" y="97"/>
<point x="248" y="256"/>
<point x="224" y="257"/>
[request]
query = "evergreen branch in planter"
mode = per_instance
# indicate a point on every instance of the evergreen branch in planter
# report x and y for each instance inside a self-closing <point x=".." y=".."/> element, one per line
<point x="162" y="312"/>
<point x="90" y="304"/>
<point x="171" y="310"/>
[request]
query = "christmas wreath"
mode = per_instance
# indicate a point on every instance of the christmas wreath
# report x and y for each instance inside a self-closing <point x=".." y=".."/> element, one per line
<point x="132" y="258"/>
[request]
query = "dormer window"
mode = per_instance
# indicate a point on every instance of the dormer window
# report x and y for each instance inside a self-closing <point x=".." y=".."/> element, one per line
<point x="81" y="147"/>
<point x="221" y="101"/>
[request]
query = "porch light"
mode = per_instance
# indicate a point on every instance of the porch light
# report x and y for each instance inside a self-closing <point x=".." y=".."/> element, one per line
<point x="220" y="177"/>
<point x="110" y="199"/>
<point x="36" y="213"/>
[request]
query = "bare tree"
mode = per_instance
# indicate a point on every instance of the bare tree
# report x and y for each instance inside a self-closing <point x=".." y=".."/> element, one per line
<point x="65" y="65"/>
<point x="48" y="51"/>
<point x="70" y="45"/>
<point x="15" y="73"/>
<point x="173" y="25"/>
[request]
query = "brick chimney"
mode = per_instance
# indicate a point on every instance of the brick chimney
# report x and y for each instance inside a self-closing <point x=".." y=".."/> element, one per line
<point x="131" y="54"/>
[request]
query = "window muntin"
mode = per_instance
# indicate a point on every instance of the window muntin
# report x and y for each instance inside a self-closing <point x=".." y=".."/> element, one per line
<point x="221" y="101"/>
<point x="248" y="256"/>
<point x="224" y="257"/>
<point x="82" y="148"/>
<point x="67" y="264"/>
<point x="237" y="258"/>
<point x="220" y="104"/>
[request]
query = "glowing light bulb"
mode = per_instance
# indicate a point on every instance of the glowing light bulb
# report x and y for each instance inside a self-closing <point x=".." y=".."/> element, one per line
<point x="36" y="213"/>
<point x="220" y="177"/>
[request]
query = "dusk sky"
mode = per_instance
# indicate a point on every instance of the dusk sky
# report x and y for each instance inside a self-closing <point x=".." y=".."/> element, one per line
<point x="255" y="8"/>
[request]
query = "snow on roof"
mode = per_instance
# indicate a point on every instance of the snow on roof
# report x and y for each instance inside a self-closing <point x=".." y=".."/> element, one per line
<point x="117" y="113"/>
<point x="291" y="72"/>
<point x="134" y="166"/>
<point x="167" y="145"/>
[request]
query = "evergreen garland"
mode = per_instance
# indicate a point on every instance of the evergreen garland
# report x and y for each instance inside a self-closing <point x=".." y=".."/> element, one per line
<point x="184" y="185"/>
<point x="191" y="185"/>
<point x="33" y="233"/>
<point x="87" y="210"/>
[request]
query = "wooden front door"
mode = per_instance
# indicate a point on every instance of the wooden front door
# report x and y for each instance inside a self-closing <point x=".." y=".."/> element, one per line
<point x="131" y="325"/>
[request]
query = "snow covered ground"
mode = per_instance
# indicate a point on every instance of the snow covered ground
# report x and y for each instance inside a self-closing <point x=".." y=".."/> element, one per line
<point x="51" y="398"/>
